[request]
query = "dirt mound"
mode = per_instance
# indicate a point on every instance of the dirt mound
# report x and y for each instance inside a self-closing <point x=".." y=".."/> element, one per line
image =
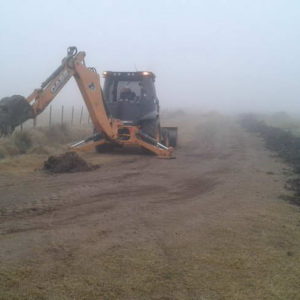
<point x="68" y="162"/>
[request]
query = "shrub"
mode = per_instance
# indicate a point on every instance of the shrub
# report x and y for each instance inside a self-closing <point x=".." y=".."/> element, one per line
<point x="23" y="141"/>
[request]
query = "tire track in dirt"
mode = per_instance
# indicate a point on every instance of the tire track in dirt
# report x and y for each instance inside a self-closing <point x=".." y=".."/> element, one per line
<point x="172" y="226"/>
<point x="102" y="190"/>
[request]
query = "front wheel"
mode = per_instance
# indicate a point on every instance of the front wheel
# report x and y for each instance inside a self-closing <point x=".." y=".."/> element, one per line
<point x="169" y="136"/>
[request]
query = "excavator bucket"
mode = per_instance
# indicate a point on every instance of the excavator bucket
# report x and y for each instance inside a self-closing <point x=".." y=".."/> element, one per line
<point x="14" y="111"/>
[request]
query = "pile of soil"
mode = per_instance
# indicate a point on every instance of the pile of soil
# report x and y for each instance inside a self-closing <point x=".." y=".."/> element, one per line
<point x="68" y="162"/>
<point x="284" y="143"/>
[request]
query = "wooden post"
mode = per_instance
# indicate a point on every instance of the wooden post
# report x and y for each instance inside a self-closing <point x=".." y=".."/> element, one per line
<point x="62" y="115"/>
<point x="72" y="117"/>
<point x="50" y="116"/>
<point x="81" y="114"/>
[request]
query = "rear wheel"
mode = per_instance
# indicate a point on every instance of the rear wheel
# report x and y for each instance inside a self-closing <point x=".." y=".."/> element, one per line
<point x="151" y="128"/>
<point x="103" y="148"/>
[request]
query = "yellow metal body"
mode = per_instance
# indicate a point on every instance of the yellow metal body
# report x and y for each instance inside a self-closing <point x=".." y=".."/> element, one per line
<point x="88" y="81"/>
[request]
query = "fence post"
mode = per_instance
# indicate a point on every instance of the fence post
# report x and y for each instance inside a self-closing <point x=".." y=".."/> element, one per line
<point x="34" y="122"/>
<point x="62" y="115"/>
<point x="50" y="116"/>
<point x="81" y="113"/>
<point x="72" y="117"/>
<point x="21" y="127"/>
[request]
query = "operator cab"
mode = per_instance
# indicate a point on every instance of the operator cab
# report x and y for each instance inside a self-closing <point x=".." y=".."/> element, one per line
<point x="131" y="96"/>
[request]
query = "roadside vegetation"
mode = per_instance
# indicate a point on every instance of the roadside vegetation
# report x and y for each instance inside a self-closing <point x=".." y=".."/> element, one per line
<point x="40" y="140"/>
<point x="26" y="150"/>
<point x="285" y="141"/>
<point x="282" y="120"/>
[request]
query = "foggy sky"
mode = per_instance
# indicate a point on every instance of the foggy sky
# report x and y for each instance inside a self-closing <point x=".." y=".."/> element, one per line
<point x="234" y="55"/>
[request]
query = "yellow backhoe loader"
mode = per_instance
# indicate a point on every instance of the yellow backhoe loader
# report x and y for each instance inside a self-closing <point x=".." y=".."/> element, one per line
<point x="126" y="112"/>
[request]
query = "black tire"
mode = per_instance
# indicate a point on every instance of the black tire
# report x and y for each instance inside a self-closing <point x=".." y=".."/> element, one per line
<point x="151" y="127"/>
<point x="172" y="134"/>
<point x="164" y="137"/>
<point x="105" y="148"/>
<point x="169" y="137"/>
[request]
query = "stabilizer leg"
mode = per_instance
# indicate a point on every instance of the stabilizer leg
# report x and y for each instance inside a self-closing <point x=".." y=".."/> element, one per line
<point x="154" y="146"/>
<point x="87" y="146"/>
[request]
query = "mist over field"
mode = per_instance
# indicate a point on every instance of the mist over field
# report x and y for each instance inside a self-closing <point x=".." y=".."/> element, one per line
<point x="231" y="56"/>
<point x="196" y="200"/>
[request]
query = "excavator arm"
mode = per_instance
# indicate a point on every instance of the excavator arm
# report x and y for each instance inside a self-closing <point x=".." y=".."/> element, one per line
<point x="88" y="81"/>
<point x="18" y="109"/>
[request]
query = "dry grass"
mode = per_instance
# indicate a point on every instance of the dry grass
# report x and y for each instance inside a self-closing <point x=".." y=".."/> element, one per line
<point x="25" y="150"/>
<point x="40" y="140"/>
<point x="226" y="266"/>
<point x="252" y="258"/>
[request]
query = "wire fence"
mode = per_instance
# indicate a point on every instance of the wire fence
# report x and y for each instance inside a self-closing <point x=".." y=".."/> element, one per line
<point x="63" y="115"/>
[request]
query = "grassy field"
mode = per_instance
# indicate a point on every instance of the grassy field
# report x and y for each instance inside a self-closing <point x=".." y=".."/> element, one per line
<point x="208" y="225"/>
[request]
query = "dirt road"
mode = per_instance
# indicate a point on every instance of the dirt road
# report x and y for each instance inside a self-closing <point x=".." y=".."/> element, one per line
<point x="209" y="224"/>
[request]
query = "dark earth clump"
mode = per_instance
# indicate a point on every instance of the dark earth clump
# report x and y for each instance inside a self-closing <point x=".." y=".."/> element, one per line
<point x="14" y="111"/>
<point x="69" y="162"/>
<point x="284" y="143"/>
